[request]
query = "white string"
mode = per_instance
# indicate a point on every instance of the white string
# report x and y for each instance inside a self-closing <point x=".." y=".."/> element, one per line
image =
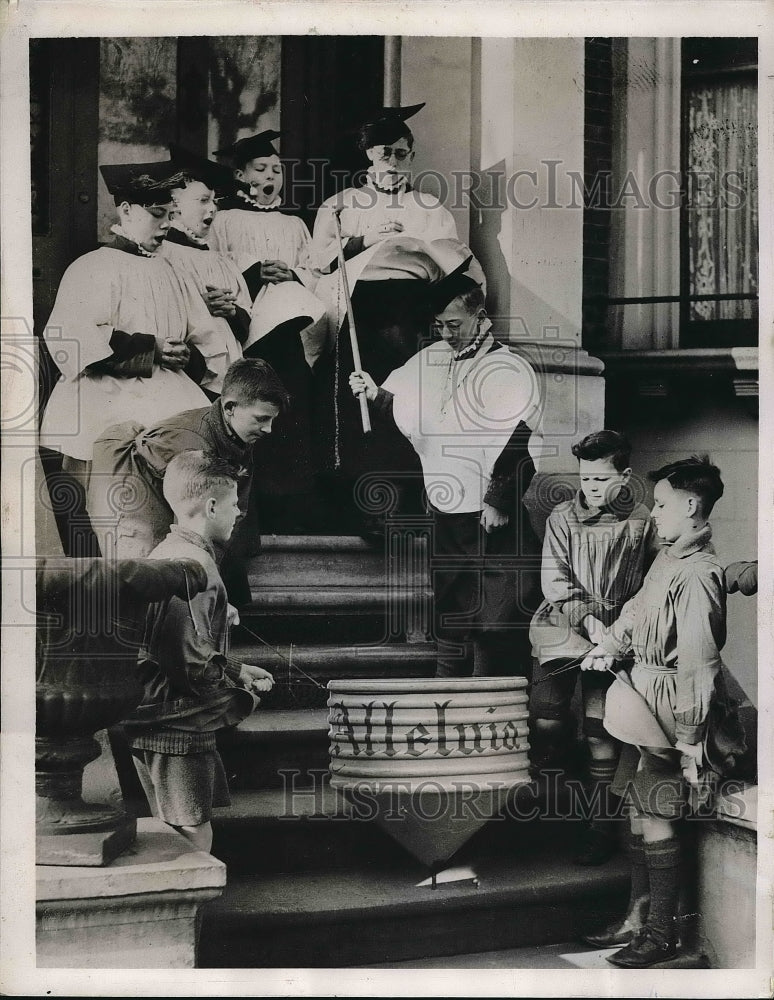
<point x="282" y="656"/>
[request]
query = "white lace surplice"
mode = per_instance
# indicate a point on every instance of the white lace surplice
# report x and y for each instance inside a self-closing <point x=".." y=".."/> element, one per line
<point x="459" y="416"/>
<point x="218" y="344"/>
<point x="366" y="210"/>
<point x="253" y="237"/>
<point x="103" y="291"/>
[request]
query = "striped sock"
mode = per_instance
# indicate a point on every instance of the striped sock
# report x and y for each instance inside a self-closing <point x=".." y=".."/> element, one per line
<point x="663" y="861"/>
<point x="640" y="888"/>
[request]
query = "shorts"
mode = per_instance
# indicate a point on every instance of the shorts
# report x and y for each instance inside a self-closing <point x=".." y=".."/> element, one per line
<point x="182" y="789"/>
<point x="551" y="699"/>
<point x="652" y="781"/>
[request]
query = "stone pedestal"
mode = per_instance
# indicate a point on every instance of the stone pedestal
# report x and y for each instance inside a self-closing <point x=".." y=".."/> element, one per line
<point x="138" y="912"/>
<point x="727" y="863"/>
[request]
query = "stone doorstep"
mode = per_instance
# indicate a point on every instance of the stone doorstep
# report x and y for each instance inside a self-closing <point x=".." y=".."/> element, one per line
<point x="321" y="802"/>
<point x="282" y="725"/>
<point x="376" y="891"/>
<point x="567" y="955"/>
<point x="333" y="660"/>
<point x="314" y="599"/>
<point x="314" y="543"/>
<point x="161" y="860"/>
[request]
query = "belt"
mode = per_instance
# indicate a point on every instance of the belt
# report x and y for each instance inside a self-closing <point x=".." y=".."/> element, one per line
<point x="655" y="668"/>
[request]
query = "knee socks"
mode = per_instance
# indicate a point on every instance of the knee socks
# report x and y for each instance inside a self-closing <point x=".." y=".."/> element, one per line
<point x="663" y="861"/>
<point x="640" y="888"/>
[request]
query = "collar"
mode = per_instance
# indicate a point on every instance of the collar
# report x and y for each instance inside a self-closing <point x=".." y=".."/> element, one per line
<point x="186" y="535"/>
<point x="690" y="542"/>
<point x="122" y="242"/>
<point x="183" y="236"/>
<point x="401" y="185"/>
<point x="230" y="445"/>
<point x="252" y="203"/>
<point x="620" y="508"/>
<point x="476" y="343"/>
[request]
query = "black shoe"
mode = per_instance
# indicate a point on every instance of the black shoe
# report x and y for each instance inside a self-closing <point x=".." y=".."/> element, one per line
<point x="596" y="847"/>
<point x="620" y="932"/>
<point x="644" y="951"/>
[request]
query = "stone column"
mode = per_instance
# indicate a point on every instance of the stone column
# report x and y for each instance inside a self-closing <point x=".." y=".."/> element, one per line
<point x="438" y="72"/>
<point x="504" y="123"/>
<point x="527" y="228"/>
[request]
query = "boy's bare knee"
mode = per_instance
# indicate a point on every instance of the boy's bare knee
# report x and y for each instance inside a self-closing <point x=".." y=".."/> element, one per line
<point x="549" y="727"/>
<point x="654" y="829"/>
<point x="602" y="748"/>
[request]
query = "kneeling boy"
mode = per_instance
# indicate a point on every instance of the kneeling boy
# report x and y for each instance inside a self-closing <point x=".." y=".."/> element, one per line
<point x="192" y="687"/>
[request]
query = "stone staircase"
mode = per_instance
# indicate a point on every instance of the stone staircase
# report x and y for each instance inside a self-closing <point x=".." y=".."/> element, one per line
<point x="312" y="880"/>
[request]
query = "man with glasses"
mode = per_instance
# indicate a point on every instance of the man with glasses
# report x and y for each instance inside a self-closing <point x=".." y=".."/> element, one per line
<point x="387" y="232"/>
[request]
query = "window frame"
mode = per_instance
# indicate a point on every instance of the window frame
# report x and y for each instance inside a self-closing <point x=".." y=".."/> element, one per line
<point x="723" y="332"/>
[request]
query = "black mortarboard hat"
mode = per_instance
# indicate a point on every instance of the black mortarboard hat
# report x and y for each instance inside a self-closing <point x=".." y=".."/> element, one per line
<point x="139" y="183"/>
<point x="454" y="284"/>
<point x="199" y="168"/>
<point x="385" y="115"/>
<point x="386" y="125"/>
<point x="248" y="148"/>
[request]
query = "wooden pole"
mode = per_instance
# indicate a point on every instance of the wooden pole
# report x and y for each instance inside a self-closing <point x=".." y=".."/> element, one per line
<point x="364" y="414"/>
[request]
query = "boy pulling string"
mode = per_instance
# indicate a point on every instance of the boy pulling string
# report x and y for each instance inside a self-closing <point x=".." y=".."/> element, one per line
<point x="674" y="628"/>
<point x="193" y="688"/>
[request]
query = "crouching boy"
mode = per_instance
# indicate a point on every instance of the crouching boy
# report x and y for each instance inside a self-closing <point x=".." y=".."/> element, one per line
<point x="597" y="549"/>
<point x="192" y="687"/>
<point x="674" y="628"/>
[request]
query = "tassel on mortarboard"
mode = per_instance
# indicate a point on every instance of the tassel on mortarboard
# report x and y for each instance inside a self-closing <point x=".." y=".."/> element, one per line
<point x="139" y="183"/>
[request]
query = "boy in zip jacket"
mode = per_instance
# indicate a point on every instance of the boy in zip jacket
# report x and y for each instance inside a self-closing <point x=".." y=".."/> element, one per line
<point x="674" y="629"/>
<point x="192" y="687"/>
<point x="597" y="548"/>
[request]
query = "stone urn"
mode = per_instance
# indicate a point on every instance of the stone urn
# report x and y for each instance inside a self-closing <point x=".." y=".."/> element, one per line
<point x="431" y="760"/>
<point x="89" y="627"/>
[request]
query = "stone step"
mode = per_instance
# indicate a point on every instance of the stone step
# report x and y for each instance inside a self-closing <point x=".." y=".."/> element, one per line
<point x="330" y="560"/>
<point x="297" y="827"/>
<point x="324" y="662"/>
<point x="303" y="824"/>
<point x="313" y="588"/>
<point x="359" y="614"/>
<point x="275" y="742"/>
<point x="302" y="671"/>
<point x="528" y="895"/>
<point x="566" y="955"/>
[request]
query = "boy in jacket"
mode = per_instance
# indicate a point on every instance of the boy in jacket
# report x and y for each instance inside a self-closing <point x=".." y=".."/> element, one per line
<point x="674" y="629"/>
<point x="192" y="687"/>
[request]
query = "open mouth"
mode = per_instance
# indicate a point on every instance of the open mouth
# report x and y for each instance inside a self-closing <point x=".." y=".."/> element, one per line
<point x="268" y="189"/>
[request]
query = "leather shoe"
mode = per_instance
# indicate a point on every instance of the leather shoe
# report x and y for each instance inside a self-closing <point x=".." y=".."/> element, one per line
<point x="644" y="951"/>
<point x="621" y="932"/>
<point x="596" y="847"/>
